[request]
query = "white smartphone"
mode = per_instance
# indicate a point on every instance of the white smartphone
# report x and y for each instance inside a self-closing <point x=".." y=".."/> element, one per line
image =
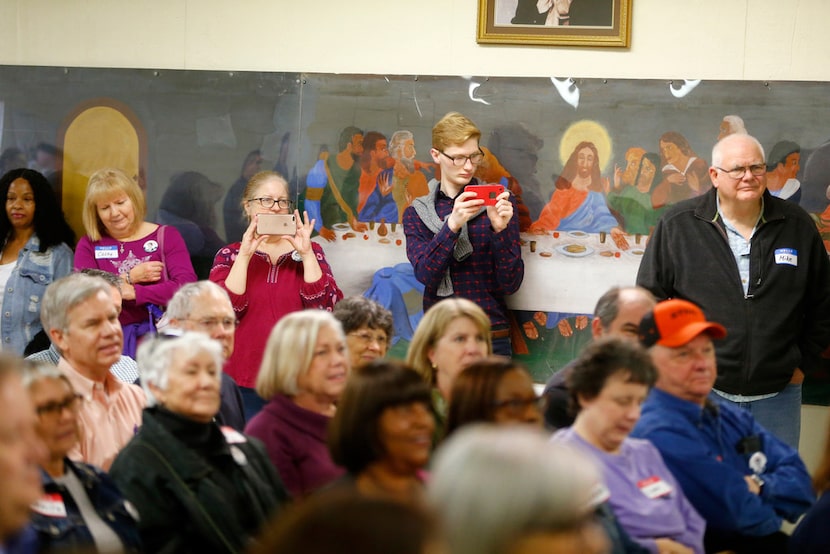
<point x="276" y="224"/>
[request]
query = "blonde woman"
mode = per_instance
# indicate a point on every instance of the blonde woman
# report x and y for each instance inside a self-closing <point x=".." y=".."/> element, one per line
<point x="303" y="373"/>
<point x="152" y="260"/>
<point x="453" y="333"/>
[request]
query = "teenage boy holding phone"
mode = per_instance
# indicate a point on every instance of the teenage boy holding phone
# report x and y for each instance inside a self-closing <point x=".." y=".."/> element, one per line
<point x="456" y="244"/>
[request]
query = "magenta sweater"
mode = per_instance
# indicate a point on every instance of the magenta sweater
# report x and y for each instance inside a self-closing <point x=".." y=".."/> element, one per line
<point x="295" y="439"/>
<point x="272" y="291"/>
<point x="116" y="257"/>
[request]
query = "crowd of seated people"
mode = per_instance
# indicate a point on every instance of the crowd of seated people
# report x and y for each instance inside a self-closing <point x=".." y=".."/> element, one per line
<point x="231" y="425"/>
<point x="163" y="471"/>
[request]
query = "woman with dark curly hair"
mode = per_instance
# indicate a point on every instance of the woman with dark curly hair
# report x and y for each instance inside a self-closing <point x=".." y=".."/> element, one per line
<point x="382" y="431"/>
<point x="368" y="328"/>
<point x="37" y="249"/>
<point x="607" y="386"/>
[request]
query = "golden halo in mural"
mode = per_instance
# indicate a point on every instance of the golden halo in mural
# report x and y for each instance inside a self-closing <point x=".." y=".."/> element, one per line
<point x="586" y="129"/>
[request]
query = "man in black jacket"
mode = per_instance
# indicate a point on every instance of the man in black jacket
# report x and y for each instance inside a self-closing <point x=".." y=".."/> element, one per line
<point x="758" y="265"/>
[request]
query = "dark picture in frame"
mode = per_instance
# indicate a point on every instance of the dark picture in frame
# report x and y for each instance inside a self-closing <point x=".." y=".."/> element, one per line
<point x="555" y="22"/>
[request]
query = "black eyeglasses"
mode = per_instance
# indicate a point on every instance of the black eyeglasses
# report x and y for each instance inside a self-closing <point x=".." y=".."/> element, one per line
<point x="519" y="405"/>
<point x="55" y="409"/>
<point x="211" y="323"/>
<point x="738" y="172"/>
<point x="268" y="202"/>
<point x="460" y="161"/>
<point x="367" y="337"/>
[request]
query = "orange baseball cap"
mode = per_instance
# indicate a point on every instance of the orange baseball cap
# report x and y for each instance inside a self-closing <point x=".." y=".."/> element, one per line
<point x="676" y="322"/>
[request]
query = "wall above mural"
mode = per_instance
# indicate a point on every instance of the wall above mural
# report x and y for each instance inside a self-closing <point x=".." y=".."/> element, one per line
<point x="593" y="163"/>
<point x="555" y="22"/>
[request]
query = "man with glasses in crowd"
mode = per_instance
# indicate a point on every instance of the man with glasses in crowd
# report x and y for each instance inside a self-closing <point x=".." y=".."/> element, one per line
<point x="757" y="265"/>
<point x="204" y="306"/>
<point x="456" y="244"/>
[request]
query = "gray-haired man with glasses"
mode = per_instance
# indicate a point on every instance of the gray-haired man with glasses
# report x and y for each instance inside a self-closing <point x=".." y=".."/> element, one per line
<point x="756" y="264"/>
<point x="204" y="306"/>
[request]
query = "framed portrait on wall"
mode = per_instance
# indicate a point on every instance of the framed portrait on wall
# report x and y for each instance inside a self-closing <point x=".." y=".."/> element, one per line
<point x="555" y="22"/>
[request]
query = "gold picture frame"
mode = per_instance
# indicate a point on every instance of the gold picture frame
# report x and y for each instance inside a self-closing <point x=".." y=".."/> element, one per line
<point x="603" y="23"/>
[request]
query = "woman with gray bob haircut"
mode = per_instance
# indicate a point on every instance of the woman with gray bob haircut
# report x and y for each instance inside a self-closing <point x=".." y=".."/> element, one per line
<point x="546" y="504"/>
<point x="196" y="486"/>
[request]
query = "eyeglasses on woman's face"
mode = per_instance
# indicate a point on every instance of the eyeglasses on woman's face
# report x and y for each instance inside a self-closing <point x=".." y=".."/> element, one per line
<point x="267" y="202"/>
<point x="54" y="409"/>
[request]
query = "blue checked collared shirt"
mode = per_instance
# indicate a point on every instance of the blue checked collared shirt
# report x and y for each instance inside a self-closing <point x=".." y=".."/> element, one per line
<point x="125" y="369"/>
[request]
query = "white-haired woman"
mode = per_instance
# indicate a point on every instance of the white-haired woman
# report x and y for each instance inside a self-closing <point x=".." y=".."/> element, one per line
<point x="303" y="372"/>
<point x="546" y="504"/>
<point x="197" y="488"/>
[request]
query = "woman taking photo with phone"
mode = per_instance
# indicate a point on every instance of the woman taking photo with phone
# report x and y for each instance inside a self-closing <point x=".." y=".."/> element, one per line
<point x="283" y="273"/>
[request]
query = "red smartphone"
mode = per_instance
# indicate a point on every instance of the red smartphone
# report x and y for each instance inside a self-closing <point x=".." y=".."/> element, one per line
<point x="489" y="193"/>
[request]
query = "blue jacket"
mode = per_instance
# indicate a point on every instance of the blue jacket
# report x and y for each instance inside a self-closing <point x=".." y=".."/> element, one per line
<point x="24" y="291"/>
<point x="701" y="448"/>
<point x="70" y="532"/>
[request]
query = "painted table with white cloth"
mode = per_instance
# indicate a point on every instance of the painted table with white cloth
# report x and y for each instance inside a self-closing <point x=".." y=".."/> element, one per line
<point x="564" y="271"/>
<point x="569" y="271"/>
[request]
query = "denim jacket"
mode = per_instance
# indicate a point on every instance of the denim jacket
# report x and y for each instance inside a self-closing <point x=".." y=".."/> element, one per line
<point x="65" y="530"/>
<point x="24" y="291"/>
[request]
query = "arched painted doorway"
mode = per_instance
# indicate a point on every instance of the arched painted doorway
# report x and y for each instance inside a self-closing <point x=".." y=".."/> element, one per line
<point x="99" y="133"/>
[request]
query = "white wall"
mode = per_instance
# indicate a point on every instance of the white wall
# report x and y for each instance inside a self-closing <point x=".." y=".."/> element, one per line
<point x="708" y="39"/>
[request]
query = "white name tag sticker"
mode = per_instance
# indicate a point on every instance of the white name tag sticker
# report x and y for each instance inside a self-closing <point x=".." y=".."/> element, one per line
<point x="50" y="505"/>
<point x="106" y="252"/>
<point x="233" y="436"/>
<point x="654" y="487"/>
<point x="788" y="256"/>
<point x="599" y="494"/>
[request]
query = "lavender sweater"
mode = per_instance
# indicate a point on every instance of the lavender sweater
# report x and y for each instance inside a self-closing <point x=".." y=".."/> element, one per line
<point x="645" y="519"/>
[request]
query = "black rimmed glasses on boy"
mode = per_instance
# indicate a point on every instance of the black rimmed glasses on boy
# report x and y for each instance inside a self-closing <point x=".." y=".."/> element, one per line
<point x="460" y="160"/>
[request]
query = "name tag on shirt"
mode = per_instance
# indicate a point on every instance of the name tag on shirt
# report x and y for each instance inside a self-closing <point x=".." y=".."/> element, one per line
<point x="106" y="252"/>
<point x="599" y="494"/>
<point x="654" y="487"/>
<point x="50" y="505"/>
<point x="233" y="436"/>
<point x="788" y="256"/>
